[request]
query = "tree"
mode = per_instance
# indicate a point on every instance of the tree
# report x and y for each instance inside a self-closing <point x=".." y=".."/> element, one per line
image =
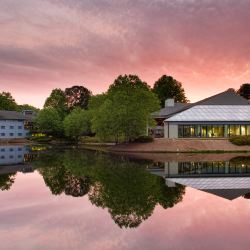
<point x="6" y="181"/>
<point x="7" y="102"/>
<point x="77" y="96"/>
<point x="49" y="121"/>
<point x="58" y="101"/>
<point x="126" y="110"/>
<point x="27" y="107"/>
<point x="244" y="90"/>
<point x="167" y="87"/>
<point x="76" y="123"/>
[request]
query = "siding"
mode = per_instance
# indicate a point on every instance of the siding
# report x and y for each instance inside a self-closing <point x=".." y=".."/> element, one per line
<point x="12" y="129"/>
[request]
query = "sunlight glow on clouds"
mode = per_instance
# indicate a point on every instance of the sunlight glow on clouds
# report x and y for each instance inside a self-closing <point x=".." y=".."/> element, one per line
<point x="46" y="44"/>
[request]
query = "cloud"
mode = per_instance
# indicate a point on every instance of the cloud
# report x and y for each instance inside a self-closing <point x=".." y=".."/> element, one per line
<point x="204" y="44"/>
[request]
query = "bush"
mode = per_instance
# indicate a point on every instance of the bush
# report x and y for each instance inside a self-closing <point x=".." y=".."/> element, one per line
<point x="240" y="140"/>
<point x="144" y="139"/>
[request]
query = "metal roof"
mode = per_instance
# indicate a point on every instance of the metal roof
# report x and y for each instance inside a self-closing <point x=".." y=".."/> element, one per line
<point x="213" y="113"/>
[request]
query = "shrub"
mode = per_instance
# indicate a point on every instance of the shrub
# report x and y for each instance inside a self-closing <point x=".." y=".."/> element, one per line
<point x="144" y="139"/>
<point x="240" y="140"/>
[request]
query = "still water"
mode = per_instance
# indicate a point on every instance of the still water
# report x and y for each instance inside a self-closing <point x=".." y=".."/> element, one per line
<point x="76" y="199"/>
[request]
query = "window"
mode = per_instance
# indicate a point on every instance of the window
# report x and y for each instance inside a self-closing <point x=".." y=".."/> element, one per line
<point x="2" y="157"/>
<point x="11" y="134"/>
<point x="2" y="149"/>
<point x="11" y="127"/>
<point x="20" y="127"/>
<point x="20" y="134"/>
<point x="11" y="149"/>
<point x="11" y="157"/>
<point x="19" y="156"/>
<point x="19" y="149"/>
<point x="2" y="127"/>
<point x="2" y="134"/>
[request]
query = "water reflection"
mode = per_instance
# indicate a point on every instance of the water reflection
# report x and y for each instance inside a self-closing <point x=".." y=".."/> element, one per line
<point x="123" y="186"/>
<point x="228" y="179"/>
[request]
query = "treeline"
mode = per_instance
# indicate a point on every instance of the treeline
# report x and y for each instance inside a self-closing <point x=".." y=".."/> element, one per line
<point x="7" y="102"/>
<point x="120" y="114"/>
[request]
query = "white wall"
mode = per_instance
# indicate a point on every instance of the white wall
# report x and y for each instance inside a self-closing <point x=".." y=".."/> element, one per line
<point x="12" y="154"/>
<point x="12" y="129"/>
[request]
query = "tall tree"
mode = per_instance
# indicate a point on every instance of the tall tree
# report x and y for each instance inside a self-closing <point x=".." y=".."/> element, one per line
<point x="76" y="123"/>
<point x="77" y="96"/>
<point x="7" y="102"/>
<point x="58" y="101"/>
<point x="27" y="107"/>
<point x="49" y="121"/>
<point x="244" y="90"/>
<point x="167" y="87"/>
<point x="126" y="110"/>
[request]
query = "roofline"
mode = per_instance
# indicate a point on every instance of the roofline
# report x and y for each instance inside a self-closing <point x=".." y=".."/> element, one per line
<point x="199" y="102"/>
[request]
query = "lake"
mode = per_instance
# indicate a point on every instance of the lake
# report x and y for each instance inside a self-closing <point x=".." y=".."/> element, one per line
<point x="78" y="199"/>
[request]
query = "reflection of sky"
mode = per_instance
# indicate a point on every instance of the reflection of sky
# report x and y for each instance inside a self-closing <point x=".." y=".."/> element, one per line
<point x="32" y="218"/>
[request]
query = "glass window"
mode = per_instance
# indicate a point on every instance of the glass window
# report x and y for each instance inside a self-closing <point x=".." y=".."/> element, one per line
<point x="2" y="149"/>
<point x="11" y="149"/>
<point x="2" y="134"/>
<point x="20" y="134"/>
<point x="20" y="127"/>
<point x="218" y="131"/>
<point x="11" y="127"/>
<point x="2" y="156"/>
<point x="11" y="156"/>
<point x="11" y="134"/>
<point x="2" y="127"/>
<point x="204" y="131"/>
<point x="234" y="130"/>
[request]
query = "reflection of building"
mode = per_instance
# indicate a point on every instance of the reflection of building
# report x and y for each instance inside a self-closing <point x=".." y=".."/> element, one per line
<point x="229" y="179"/>
<point x="15" y="125"/>
<point x="10" y="155"/>
<point x="223" y="115"/>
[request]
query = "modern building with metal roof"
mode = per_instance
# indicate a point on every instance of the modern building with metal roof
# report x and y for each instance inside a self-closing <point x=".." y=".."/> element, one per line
<point x="223" y="115"/>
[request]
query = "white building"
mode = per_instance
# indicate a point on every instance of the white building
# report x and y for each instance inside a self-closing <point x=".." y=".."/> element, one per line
<point x="223" y="115"/>
<point x="15" y="125"/>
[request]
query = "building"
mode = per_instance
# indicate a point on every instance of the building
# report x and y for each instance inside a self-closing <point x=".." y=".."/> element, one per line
<point x="220" y="116"/>
<point x="15" y="125"/>
<point x="228" y="179"/>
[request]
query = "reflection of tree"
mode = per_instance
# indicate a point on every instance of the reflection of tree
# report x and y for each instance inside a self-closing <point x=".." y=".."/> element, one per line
<point x="123" y="186"/>
<point x="59" y="179"/>
<point x="6" y="181"/>
<point x="129" y="192"/>
<point x="246" y="196"/>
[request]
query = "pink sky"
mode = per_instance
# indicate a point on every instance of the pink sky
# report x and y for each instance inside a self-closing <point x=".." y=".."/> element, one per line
<point x="33" y="218"/>
<point x="46" y="44"/>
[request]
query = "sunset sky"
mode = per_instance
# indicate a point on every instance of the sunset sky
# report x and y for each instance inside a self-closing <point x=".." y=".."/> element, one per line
<point x="46" y="44"/>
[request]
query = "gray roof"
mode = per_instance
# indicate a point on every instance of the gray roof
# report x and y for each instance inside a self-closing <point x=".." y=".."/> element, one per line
<point x="165" y="112"/>
<point x="14" y="115"/>
<point x="228" y="97"/>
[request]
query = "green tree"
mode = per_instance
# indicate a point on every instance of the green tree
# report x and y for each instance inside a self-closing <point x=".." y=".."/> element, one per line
<point x="27" y="107"/>
<point x="77" y="96"/>
<point x="76" y="124"/>
<point x="58" y="101"/>
<point x="167" y="87"/>
<point x="7" y="102"/>
<point x="49" y="121"/>
<point x="6" y="181"/>
<point x="126" y="109"/>
<point x="244" y="90"/>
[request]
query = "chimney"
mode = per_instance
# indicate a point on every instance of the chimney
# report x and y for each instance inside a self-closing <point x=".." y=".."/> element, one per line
<point x="169" y="103"/>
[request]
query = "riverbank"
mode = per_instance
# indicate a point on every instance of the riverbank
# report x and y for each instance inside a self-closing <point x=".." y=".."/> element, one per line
<point x="181" y="146"/>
